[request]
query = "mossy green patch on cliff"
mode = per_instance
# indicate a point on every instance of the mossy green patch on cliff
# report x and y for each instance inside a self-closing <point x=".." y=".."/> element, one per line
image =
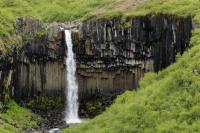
<point x="40" y="33"/>
<point x="8" y="43"/>
<point x="17" y="119"/>
<point x="167" y="101"/>
<point x="126" y="22"/>
<point x="45" y="103"/>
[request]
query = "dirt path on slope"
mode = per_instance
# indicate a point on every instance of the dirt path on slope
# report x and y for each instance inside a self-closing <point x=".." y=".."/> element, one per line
<point x="121" y="5"/>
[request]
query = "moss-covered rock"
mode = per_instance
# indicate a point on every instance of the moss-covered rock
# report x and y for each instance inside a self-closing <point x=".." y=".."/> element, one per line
<point x="45" y="103"/>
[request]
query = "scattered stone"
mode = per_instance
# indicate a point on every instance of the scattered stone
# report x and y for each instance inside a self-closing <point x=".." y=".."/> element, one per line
<point x="1" y="106"/>
<point x="196" y="72"/>
<point x="54" y="130"/>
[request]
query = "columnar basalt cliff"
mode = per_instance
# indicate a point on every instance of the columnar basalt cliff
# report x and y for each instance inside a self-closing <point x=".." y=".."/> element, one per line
<point x="111" y="54"/>
<point x="39" y="69"/>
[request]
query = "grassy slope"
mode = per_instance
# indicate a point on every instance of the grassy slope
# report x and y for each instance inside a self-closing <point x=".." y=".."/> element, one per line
<point x="16" y="119"/>
<point x="166" y="102"/>
<point x="68" y="10"/>
<point x="46" y="10"/>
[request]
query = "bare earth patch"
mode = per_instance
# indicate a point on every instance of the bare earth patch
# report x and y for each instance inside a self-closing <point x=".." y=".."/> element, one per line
<point x="121" y="5"/>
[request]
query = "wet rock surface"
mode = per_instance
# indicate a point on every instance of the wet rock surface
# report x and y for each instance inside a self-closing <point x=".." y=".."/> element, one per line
<point x="52" y="119"/>
<point x="95" y="105"/>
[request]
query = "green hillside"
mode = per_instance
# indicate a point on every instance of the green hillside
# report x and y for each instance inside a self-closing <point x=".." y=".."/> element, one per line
<point x="69" y="10"/>
<point x="46" y="10"/>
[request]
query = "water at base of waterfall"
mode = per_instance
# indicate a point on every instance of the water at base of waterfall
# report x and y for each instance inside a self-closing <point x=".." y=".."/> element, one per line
<point x="71" y="84"/>
<point x="72" y="120"/>
<point x="54" y="130"/>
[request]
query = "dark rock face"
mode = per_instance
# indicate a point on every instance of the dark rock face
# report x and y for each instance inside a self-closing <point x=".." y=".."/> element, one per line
<point x="39" y="69"/>
<point x="112" y="55"/>
<point x="5" y="76"/>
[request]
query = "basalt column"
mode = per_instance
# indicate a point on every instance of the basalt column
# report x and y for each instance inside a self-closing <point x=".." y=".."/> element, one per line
<point x="114" y="54"/>
<point x="39" y="66"/>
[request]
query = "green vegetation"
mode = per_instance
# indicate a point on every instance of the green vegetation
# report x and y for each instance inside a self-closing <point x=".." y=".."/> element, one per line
<point x="40" y="33"/>
<point x="45" y="103"/>
<point x="46" y="10"/>
<point x="8" y="43"/>
<point x="96" y="105"/>
<point x="178" y="7"/>
<point x="69" y="10"/>
<point x="16" y="119"/>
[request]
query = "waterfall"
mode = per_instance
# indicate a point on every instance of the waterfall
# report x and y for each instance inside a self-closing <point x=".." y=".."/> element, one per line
<point x="71" y="84"/>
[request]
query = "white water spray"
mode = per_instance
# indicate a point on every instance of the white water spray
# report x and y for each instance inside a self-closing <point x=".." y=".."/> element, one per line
<point x="71" y="87"/>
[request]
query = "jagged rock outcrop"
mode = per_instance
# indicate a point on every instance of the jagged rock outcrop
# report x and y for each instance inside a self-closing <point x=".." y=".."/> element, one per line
<point x="112" y="55"/>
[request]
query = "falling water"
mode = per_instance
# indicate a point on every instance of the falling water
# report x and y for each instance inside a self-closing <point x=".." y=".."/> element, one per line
<point x="71" y="87"/>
